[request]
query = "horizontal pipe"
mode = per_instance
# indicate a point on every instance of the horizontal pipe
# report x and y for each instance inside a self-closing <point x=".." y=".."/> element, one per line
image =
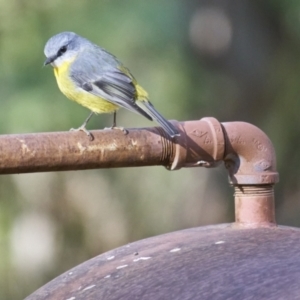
<point x="248" y="154"/>
<point x="61" y="151"/>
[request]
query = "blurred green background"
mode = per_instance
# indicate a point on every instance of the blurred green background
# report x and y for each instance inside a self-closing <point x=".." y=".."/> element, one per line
<point x="233" y="60"/>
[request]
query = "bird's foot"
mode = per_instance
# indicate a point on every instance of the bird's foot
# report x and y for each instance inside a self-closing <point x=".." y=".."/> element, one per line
<point x="125" y="131"/>
<point x="82" y="128"/>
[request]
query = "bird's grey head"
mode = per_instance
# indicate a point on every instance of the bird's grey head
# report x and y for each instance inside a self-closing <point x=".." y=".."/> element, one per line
<point x="62" y="47"/>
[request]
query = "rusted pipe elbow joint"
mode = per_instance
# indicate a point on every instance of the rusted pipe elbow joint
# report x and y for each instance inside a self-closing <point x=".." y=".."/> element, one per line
<point x="249" y="157"/>
<point x="248" y="153"/>
<point x="251" y="162"/>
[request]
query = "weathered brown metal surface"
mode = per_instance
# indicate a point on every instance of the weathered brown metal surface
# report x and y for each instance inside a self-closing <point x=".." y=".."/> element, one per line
<point x="217" y="262"/>
<point x="254" y="206"/>
<point x="249" y="155"/>
<point x="201" y="144"/>
<point x="247" y="151"/>
<point x="61" y="151"/>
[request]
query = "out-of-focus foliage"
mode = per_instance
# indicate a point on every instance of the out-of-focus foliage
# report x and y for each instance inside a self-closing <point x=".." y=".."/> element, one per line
<point x="234" y="60"/>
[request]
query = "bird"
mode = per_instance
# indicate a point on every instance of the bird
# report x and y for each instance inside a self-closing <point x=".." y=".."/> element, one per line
<point x="96" y="79"/>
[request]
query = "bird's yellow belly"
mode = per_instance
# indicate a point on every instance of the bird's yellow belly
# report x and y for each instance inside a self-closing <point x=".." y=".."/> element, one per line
<point x="69" y="88"/>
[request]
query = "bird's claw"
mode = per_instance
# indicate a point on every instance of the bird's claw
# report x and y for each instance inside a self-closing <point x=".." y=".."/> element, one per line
<point x="82" y="128"/>
<point x="125" y="131"/>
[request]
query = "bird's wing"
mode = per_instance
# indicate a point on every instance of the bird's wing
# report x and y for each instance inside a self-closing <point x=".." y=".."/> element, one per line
<point x="107" y="82"/>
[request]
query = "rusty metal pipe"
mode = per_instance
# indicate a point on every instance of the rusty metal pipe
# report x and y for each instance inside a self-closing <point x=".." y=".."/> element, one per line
<point x="200" y="144"/>
<point x="251" y="162"/>
<point x="254" y="206"/>
<point x="61" y="151"/>
<point x="248" y="154"/>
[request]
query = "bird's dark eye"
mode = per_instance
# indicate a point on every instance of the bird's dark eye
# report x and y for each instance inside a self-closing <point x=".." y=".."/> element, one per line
<point x="62" y="50"/>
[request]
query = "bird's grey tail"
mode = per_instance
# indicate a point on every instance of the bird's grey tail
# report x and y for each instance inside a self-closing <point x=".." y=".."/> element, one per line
<point x="166" y="125"/>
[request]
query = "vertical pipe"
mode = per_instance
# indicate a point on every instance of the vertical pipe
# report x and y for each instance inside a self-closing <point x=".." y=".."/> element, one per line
<point x="254" y="206"/>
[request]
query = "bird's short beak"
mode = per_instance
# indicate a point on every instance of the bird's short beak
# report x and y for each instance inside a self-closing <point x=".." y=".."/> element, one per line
<point x="49" y="60"/>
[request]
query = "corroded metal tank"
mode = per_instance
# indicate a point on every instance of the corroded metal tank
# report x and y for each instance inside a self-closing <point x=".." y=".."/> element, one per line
<point x="214" y="262"/>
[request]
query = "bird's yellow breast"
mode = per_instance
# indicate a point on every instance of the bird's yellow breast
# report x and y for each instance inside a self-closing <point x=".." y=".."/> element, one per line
<point x="69" y="88"/>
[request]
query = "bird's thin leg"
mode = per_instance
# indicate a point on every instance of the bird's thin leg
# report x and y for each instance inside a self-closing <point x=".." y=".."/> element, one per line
<point x="114" y="125"/>
<point x="87" y="119"/>
<point x="114" y="120"/>
<point x="82" y="127"/>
